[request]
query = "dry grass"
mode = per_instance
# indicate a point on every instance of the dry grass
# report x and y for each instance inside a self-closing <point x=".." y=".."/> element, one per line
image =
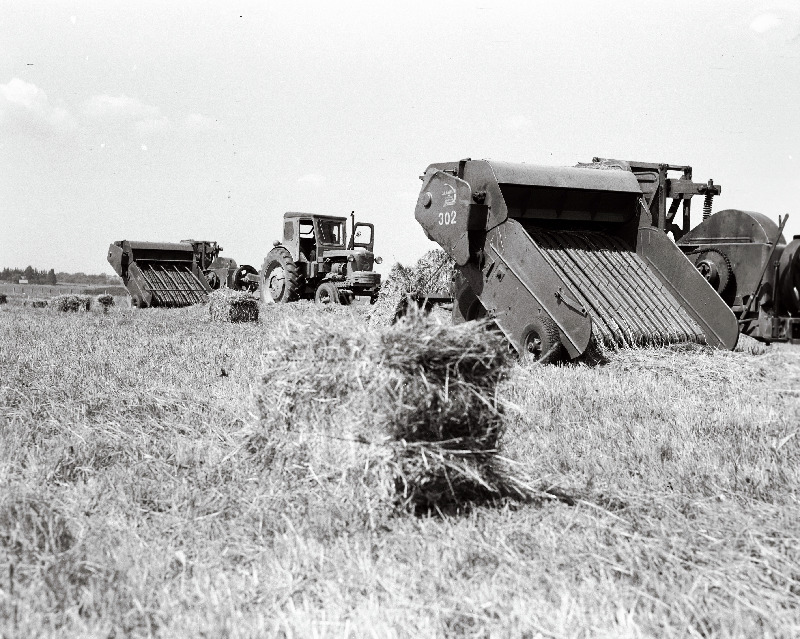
<point x="431" y="275"/>
<point x="136" y="500"/>
<point x="71" y="303"/>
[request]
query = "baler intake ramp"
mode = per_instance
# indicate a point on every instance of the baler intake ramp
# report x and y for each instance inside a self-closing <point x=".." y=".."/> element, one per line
<point x="561" y="256"/>
<point x="159" y="273"/>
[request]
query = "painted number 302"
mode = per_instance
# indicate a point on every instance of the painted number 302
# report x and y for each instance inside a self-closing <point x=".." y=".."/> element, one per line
<point x="447" y="217"/>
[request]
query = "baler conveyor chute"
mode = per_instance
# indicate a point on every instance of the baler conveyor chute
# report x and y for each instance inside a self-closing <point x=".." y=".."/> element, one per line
<point x="561" y="256"/>
<point x="159" y="273"/>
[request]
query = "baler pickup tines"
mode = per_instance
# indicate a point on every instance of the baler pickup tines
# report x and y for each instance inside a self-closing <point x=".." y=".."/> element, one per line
<point x="628" y="304"/>
<point x="159" y="273"/>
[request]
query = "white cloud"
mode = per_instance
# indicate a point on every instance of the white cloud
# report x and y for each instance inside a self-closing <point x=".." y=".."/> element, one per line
<point x="766" y="22"/>
<point x="25" y="108"/>
<point x="314" y="180"/>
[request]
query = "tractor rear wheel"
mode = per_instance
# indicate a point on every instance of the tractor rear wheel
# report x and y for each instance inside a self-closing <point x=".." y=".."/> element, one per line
<point x="327" y="293"/>
<point x="541" y="342"/>
<point x="280" y="278"/>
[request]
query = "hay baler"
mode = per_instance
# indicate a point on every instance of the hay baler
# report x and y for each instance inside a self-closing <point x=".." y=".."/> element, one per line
<point x="560" y="257"/>
<point x="175" y="274"/>
<point x="159" y="273"/>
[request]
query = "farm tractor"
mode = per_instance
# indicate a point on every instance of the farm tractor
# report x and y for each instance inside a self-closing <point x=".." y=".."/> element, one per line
<point x="315" y="261"/>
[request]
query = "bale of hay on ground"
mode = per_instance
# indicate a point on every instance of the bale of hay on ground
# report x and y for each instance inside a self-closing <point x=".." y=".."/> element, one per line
<point x="431" y="275"/>
<point x="3" y="298"/>
<point x="104" y="301"/>
<point x="404" y="417"/>
<point x="71" y="303"/>
<point x="35" y="303"/>
<point x="227" y="305"/>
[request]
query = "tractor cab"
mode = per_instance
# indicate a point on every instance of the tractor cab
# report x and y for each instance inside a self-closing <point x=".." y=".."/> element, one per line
<point x="311" y="238"/>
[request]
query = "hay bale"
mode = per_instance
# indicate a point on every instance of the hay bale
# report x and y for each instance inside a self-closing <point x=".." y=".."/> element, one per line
<point x="35" y="303"/>
<point x="71" y="303"/>
<point x="3" y="298"/>
<point x="404" y="417"/>
<point x="431" y="275"/>
<point x="226" y="305"/>
<point x="104" y="301"/>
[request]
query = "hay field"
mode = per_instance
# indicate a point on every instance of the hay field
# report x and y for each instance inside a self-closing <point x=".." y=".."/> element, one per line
<point x="138" y="496"/>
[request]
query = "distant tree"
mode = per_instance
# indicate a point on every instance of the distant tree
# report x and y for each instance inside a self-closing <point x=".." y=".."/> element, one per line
<point x="28" y="273"/>
<point x="51" y="277"/>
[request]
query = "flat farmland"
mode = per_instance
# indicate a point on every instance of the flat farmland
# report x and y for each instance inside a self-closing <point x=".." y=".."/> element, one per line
<point x="137" y="500"/>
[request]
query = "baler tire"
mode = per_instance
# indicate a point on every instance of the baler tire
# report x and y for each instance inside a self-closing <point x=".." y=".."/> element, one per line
<point x="213" y="280"/>
<point x="541" y="342"/>
<point x="327" y="293"/>
<point x="239" y="281"/>
<point x="277" y="258"/>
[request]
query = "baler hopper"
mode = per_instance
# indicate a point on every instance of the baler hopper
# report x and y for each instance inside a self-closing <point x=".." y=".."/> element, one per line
<point x="159" y="273"/>
<point x="564" y="257"/>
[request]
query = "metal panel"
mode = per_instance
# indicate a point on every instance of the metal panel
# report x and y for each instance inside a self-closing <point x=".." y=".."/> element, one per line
<point x="565" y="177"/>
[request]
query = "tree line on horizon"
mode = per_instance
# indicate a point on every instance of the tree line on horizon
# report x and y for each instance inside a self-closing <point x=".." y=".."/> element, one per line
<point x="50" y="277"/>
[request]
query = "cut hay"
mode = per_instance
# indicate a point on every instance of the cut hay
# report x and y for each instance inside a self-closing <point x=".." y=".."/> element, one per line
<point x="405" y="417"/>
<point x="71" y="303"/>
<point x="226" y="305"/>
<point x="431" y="275"/>
<point x="104" y="301"/>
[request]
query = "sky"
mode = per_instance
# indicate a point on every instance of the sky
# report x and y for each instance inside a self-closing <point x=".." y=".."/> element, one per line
<point x="164" y="121"/>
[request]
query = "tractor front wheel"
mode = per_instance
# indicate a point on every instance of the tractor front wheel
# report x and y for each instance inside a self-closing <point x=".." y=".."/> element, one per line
<point x="327" y="293"/>
<point x="281" y="281"/>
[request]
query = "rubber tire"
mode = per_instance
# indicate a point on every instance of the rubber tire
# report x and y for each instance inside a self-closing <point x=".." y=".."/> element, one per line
<point x="213" y="280"/>
<point x="279" y="257"/>
<point x="541" y="342"/>
<point x="327" y="293"/>
<point x="239" y="283"/>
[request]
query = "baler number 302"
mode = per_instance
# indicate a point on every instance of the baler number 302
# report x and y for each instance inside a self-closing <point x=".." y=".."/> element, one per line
<point x="447" y="217"/>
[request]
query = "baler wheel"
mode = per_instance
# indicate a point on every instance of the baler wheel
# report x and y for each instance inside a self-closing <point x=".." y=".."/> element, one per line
<point x="280" y="278"/>
<point x="240" y="283"/>
<point x="542" y="342"/>
<point x="213" y="280"/>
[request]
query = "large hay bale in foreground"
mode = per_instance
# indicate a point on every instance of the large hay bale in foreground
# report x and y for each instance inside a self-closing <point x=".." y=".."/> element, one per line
<point x="431" y="275"/>
<point x="3" y="298"/>
<point x="71" y="303"/>
<point x="226" y="305"/>
<point x="403" y="417"/>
